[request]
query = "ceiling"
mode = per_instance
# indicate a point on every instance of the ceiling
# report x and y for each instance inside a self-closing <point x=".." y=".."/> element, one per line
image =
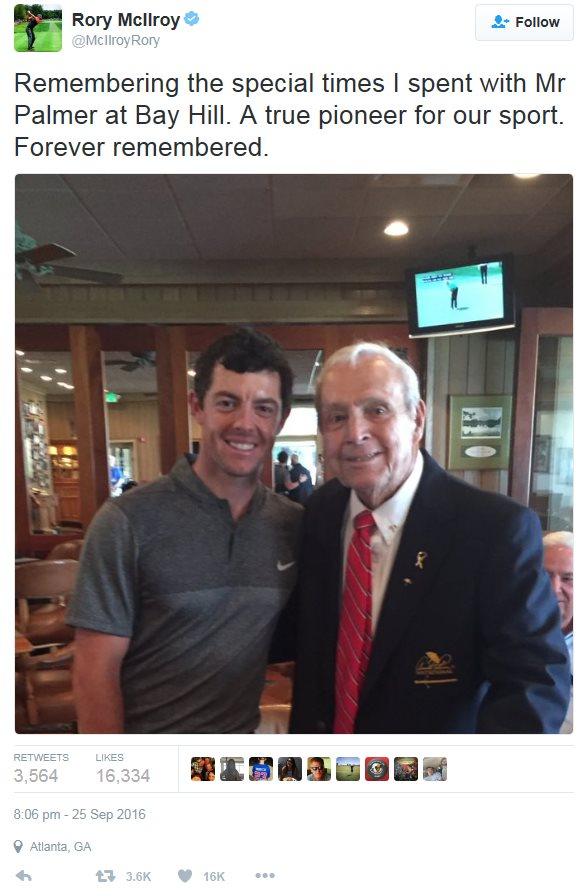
<point x="178" y="228"/>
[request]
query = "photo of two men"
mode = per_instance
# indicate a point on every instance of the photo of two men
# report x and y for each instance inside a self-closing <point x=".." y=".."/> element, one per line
<point x="404" y="595"/>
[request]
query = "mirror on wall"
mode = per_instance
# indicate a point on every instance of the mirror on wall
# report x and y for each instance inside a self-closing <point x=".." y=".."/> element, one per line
<point x="131" y="402"/>
<point x="51" y="465"/>
<point x="551" y="489"/>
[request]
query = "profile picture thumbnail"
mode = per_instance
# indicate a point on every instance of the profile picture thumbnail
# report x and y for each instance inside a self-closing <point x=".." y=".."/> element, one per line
<point x="347" y="768"/>
<point x="435" y="768"/>
<point x="406" y="768"/>
<point x="202" y="768"/>
<point x="376" y="768"/>
<point x="319" y="768"/>
<point x="260" y="768"/>
<point x="289" y="768"/>
<point x="232" y="768"/>
<point x="38" y="29"/>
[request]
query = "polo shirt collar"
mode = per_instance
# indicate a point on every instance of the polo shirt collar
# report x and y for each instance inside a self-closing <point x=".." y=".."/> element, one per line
<point x="185" y="475"/>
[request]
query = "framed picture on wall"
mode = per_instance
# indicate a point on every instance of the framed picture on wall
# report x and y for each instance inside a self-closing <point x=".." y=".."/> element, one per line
<point x="479" y="432"/>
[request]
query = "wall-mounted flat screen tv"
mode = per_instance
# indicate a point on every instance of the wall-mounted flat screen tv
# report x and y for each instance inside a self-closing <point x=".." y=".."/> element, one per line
<point x="466" y="298"/>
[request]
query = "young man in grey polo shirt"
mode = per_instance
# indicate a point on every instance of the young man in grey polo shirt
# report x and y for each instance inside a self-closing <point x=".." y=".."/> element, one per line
<point x="182" y="581"/>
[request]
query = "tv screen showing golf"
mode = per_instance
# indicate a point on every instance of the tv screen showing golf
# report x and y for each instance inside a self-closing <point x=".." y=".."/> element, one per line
<point x="470" y="297"/>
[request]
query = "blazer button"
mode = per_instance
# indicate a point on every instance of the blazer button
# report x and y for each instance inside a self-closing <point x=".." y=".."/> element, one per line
<point x="321" y="727"/>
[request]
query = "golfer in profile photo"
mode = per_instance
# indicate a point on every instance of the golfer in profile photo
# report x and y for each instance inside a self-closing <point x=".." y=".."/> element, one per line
<point x="38" y="28"/>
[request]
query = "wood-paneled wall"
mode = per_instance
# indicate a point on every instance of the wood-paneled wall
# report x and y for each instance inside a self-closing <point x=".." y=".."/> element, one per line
<point x="61" y="420"/>
<point x="128" y="421"/>
<point x="480" y="364"/>
<point x="138" y="420"/>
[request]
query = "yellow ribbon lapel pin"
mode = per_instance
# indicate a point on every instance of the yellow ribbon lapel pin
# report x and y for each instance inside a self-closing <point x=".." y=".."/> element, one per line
<point x="421" y="558"/>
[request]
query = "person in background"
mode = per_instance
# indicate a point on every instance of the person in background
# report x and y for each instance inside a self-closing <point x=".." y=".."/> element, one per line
<point x="423" y="606"/>
<point x="299" y="487"/>
<point x="558" y="562"/>
<point x="280" y="474"/>
<point x="286" y="483"/>
<point x="182" y="580"/>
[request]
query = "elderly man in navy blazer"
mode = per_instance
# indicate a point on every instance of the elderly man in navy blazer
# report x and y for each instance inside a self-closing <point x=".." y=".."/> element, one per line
<point x="423" y="603"/>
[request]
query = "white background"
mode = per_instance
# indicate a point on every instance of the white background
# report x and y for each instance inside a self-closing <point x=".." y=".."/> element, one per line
<point x="505" y="820"/>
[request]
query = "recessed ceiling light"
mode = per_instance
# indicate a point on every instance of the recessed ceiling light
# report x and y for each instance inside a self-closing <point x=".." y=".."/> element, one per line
<point x="396" y="228"/>
<point x="192" y="372"/>
<point x="65" y="385"/>
<point x="526" y="176"/>
<point x="47" y="379"/>
<point x="26" y="369"/>
<point x="19" y="353"/>
<point x="60" y="370"/>
<point x="368" y="310"/>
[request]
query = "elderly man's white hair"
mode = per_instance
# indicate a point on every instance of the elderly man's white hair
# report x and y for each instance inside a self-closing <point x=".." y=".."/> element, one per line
<point x="558" y="540"/>
<point x="352" y="354"/>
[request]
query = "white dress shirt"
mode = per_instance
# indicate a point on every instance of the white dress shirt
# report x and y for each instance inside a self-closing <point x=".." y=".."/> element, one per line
<point x="390" y="518"/>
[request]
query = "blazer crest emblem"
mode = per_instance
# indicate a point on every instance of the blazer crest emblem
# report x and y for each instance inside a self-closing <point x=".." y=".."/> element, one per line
<point x="433" y="668"/>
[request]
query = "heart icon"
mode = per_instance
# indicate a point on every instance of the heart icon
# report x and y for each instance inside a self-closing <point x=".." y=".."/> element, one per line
<point x="184" y="874"/>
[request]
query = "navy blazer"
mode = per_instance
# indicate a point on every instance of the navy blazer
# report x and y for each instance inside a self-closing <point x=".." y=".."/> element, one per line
<point x="468" y="640"/>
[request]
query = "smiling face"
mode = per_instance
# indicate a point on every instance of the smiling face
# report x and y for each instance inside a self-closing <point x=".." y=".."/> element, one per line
<point x="317" y="769"/>
<point x="240" y="418"/>
<point x="371" y="439"/>
<point x="558" y="562"/>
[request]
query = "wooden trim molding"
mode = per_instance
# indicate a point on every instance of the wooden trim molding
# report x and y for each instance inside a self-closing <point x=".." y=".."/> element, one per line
<point x="90" y="420"/>
<point x="173" y="410"/>
<point x="23" y="522"/>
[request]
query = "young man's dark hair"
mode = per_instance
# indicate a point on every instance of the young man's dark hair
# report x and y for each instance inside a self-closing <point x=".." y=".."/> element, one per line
<point x="245" y="351"/>
<point x="282" y="457"/>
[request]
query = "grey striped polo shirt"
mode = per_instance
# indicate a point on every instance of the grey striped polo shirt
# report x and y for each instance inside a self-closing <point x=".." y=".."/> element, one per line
<point x="198" y="595"/>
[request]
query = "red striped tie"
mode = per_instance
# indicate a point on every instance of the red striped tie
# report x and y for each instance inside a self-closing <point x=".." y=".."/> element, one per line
<point x="355" y="636"/>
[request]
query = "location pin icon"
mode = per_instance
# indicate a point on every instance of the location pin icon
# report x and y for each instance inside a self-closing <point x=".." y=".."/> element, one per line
<point x="17" y="845"/>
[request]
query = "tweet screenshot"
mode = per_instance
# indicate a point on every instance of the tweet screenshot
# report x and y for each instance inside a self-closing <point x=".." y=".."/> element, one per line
<point x="291" y="344"/>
